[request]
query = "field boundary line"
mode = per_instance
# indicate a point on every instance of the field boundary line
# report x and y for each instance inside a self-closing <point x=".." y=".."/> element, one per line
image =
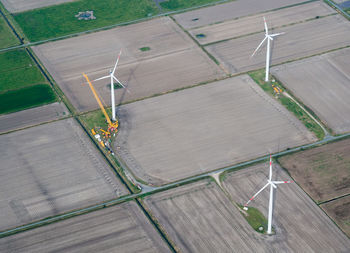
<point x="333" y="199"/>
<point x="166" y="187"/>
<point x="338" y="8"/>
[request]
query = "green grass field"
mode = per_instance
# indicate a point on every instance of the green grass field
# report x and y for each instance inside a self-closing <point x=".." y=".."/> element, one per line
<point x="172" y="5"/>
<point x="7" y="38"/>
<point x="60" y="20"/>
<point x="19" y="78"/>
<point x="17" y="70"/>
<point x="22" y="85"/>
<point x="15" y="100"/>
<point x="258" y="77"/>
<point x="14" y="59"/>
<point x="255" y="219"/>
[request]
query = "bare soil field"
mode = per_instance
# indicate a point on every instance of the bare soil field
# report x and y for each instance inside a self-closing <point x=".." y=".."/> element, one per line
<point x="252" y="24"/>
<point x="172" y="61"/>
<point x="300" y="40"/>
<point x="122" y="228"/>
<point x="338" y="210"/>
<point x="24" y="5"/>
<point x="228" y="11"/>
<point x="300" y="225"/>
<point x="323" y="172"/>
<point x="32" y="117"/>
<point x="196" y="130"/>
<point x="50" y="169"/>
<point x="200" y="218"/>
<point x="322" y="83"/>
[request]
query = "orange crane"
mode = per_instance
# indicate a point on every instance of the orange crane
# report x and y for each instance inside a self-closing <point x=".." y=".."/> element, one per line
<point x="112" y="126"/>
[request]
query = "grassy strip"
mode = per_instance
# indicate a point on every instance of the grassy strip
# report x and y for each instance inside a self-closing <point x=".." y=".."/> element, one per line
<point x="7" y="38"/>
<point x="259" y="76"/>
<point x="255" y="219"/>
<point x="60" y="20"/>
<point x="96" y="119"/>
<point x="173" y="5"/>
<point x="25" y="98"/>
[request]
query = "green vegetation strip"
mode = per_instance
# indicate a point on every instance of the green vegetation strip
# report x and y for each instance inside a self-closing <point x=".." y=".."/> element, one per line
<point x="95" y="120"/>
<point x="173" y="5"/>
<point x="255" y="219"/>
<point x="59" y="20"/>
<point x="25" y="98"/>
<point x="259" y="76"/>
<point x="7" y="38"/>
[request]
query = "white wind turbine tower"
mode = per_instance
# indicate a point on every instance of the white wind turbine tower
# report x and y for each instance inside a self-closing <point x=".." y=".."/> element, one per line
<point x="272" y="185"/>
<point x="112" y="77"/>
<point x="269" y="38"/>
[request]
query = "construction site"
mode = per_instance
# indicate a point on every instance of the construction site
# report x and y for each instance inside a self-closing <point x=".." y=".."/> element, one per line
<point x="174" y="126"/>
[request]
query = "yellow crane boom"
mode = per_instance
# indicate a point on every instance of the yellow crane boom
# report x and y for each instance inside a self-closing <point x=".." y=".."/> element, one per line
<point x="110" y="123"/>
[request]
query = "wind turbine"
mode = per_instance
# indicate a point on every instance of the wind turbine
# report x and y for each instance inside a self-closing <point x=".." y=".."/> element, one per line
<point x="268" y="37"/>
<point x="112" y="77"/>
<point x="272" y="185"/>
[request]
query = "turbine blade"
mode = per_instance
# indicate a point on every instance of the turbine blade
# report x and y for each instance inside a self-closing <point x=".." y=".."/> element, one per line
<point x="104" y="77"/>
<point x="276" y="34"/>
<point x="121" y="84"/>
<point x="256" y="194"/>
<point x="281" y="182"/>
<point x="256" y="50"/>
<point x="266" y="29"/>
<point x="116" y="63"/>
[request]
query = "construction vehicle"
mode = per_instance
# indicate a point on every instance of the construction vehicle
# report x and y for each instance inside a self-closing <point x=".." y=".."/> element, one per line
<point x="112" y="126"/>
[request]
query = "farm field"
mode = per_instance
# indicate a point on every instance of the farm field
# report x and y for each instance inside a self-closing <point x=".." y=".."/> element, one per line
<point x="7" y="38"/>
<point x="322" y="83"/>
<point x="145" y="73"/>
<point x="338" y="210"/>
<point x="25" y="5"/>
<point x="22" y="85"/>
<point x="121" y="228"/>
<point x="296" y="218"/>
<point x="50" y="169"/>
<point x="228" y="11"/>
<point x="199" y="217"/>
<point x="59" y="20"/>
<point x="31" y="117"/>
<point x="323" y="172"/>
<point x="253" y="24"/>
<point x="28" y="97"/>
<point x="300" y="40"/>
<point x="204" y="128"/>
